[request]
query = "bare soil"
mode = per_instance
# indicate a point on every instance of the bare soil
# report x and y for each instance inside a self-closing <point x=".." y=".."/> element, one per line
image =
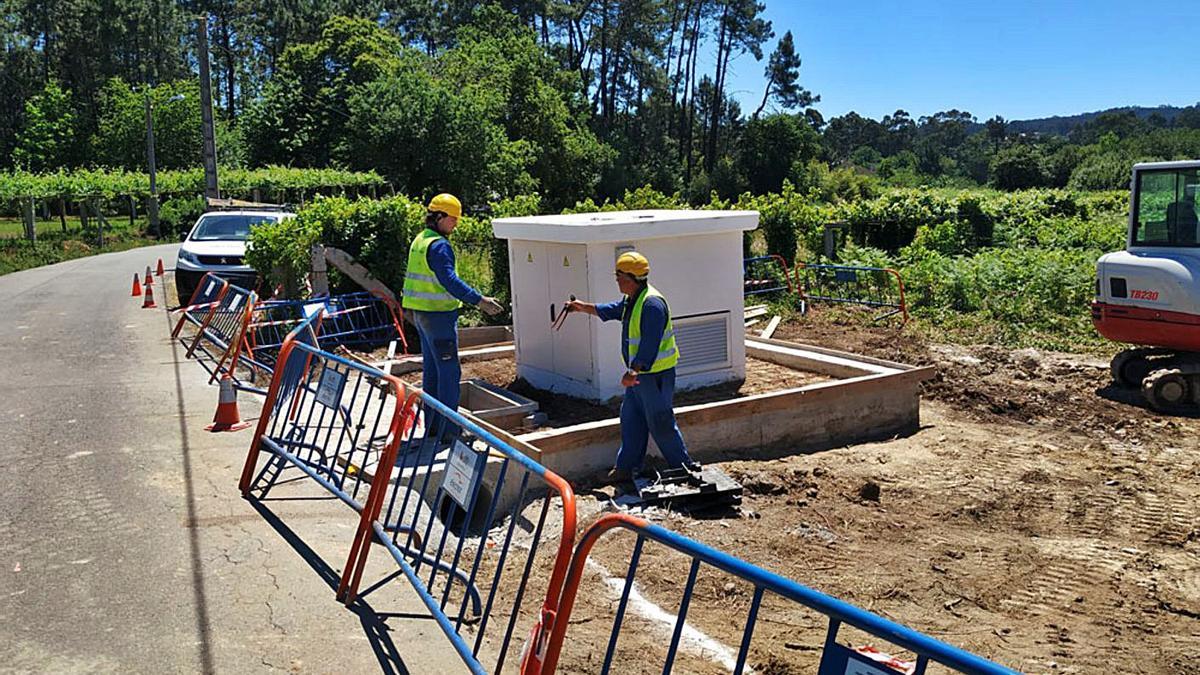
<point x="1041" y="517"/>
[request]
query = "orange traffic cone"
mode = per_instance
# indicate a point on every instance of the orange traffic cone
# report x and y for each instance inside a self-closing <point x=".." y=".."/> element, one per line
<point x="148" y="303"/>
<point x="227" y="417"/>
<point x="137" y="286"/>
<point x="159" y="272"/>
<point x="149" y="279"/>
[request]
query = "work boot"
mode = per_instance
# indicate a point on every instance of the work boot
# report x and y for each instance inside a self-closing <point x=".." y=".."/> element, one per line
<point x="622" y="479"/>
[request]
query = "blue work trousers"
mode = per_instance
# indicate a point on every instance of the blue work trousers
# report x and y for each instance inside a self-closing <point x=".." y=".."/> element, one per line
<point x="647" y="411"/>
<point x="439" y="355"/>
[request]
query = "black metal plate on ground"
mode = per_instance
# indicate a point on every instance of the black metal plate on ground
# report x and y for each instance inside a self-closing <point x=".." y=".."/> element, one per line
<point x="681" y="490"/>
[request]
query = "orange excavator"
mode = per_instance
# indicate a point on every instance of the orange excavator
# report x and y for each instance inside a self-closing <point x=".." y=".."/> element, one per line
<point x="1149" y="294"/>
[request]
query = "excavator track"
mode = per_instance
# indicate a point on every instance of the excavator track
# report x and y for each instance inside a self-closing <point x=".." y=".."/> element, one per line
<point x="1130" y="367"/>
<point x="1175" y="388"/>
<point x="1168" y="380"/>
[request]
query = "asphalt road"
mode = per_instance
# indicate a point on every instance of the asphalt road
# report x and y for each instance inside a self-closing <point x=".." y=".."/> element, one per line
<point x="124" y="543"/>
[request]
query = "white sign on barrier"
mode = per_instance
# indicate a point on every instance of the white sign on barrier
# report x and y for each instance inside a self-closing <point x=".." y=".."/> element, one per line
<point x="329" y="392"/>
<point x="462" y="473"/>
<point x="865" y="669"/>
<point x="233" y="304"/>
<point x="857" y="665"/>
<point x="311" y="308"/>
<point x="211" y="285"/>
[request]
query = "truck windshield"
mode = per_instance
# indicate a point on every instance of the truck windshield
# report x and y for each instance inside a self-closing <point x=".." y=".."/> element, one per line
<point x="1165" y="208"/>
<point x="226" y="226"/>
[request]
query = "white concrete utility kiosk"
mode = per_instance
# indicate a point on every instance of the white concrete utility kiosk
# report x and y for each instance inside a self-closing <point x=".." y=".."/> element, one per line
<point x="695" y="261"/>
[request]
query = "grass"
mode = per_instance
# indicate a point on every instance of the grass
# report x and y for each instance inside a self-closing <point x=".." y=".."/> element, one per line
<point x="54" y="245"/>
<point x="14" y="228"/>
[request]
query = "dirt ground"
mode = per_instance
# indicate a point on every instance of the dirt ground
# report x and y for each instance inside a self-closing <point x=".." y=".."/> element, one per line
<point x="1040" y="517"/>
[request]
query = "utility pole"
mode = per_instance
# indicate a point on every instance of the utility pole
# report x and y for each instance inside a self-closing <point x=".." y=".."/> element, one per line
<point x="152" y="206"/>
<point x="206" y="116"/>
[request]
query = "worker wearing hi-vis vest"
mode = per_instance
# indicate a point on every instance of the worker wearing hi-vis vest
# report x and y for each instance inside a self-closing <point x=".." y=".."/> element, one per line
<point x="648" y="346"/>
<point x="433" y="293"/>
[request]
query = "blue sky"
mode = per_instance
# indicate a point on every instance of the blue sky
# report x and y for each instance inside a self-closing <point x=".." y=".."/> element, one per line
<point x="1017" y="59"/>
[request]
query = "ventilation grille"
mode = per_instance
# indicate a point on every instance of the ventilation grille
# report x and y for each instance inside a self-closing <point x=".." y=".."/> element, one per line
<point x="703" y="342"/>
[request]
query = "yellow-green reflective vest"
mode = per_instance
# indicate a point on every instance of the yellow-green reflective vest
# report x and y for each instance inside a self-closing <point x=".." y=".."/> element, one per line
<point x="668" y="353"/>
<point x="422" y="291"/>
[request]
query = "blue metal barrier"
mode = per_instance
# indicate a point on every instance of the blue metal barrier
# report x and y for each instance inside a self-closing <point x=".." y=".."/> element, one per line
<point x="199" y="307"/>
<point x="359" y="320"/>
<point x="454" y="485"/>
<point x="836" y="658"/>
<point x="235" y="330"/>
<point x="765" y="274"/>
<point x="874" y="287"/>
<point x="351" y="320"/>
<point x="325" y="416"/>
<point x="271" y="324"/>
<point x="218" y="343"/>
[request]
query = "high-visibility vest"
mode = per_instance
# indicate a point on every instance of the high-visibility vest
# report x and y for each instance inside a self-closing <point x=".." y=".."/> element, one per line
<point x="668" y="353"/>
<point x="422" y="291"/>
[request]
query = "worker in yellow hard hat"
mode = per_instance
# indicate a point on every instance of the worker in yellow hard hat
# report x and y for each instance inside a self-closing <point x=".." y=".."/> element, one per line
<point x="650" y="353"/>
<point x="433" y="293"/>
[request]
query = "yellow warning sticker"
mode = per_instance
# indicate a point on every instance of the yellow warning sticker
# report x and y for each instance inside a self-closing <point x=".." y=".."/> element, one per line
<point x="529" y="257"/>
<point x="566" y="261"/>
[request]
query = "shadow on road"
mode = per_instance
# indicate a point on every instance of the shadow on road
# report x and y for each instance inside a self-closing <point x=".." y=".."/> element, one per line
<point x="373" y="623"/>
<point x="206" y="657"/>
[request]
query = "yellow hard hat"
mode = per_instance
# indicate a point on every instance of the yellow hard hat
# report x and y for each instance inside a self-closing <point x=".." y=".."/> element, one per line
<point x="634" y="264"/>
<point x="447" y="204"/>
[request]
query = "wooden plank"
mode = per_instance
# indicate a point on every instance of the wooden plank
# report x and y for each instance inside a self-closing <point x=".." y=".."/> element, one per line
<point x="771" y="326"/>
<point x="846" y="355"/>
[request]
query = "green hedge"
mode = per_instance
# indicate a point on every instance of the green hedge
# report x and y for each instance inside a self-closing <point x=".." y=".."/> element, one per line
<point x="377" y="232"/>
<point x="1021" y="263"/>
<point x="272" y="182"/>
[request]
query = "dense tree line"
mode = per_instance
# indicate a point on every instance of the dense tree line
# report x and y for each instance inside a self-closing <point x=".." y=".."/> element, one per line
<point x="568" y="98"/>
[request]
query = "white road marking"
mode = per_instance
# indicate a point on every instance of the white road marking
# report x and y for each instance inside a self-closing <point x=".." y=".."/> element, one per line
<point x="692" y="639"/>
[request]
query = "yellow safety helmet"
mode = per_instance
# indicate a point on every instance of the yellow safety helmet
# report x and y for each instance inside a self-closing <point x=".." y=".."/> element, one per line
<point x="634" y="264"/>
<point x="447" y="204"/>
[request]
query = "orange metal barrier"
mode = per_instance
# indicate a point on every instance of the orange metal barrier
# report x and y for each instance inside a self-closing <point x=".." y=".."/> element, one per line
<point x="438" y="522"/>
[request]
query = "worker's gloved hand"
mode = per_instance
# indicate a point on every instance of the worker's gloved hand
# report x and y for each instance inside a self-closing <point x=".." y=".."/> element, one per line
<point x="490" y="306"/>
<point x="575" y="306"/>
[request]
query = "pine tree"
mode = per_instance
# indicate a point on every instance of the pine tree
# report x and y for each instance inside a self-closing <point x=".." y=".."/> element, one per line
<point x="783" y="78"/>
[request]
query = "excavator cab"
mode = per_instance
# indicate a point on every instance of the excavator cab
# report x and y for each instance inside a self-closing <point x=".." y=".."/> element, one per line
<point x="1164" y="207"/>
<point x="1149" y="294"/>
